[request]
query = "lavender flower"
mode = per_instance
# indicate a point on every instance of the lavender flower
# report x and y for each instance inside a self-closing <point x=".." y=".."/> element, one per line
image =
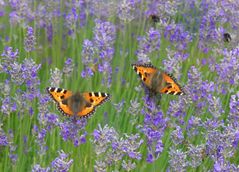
<point x="177" y="110"/>
<point x="8" y="106"/>
<point x="40" y="135"/>
<point x="103" y="8"/>
<point x="195" y="155"/>
<point x="22" y="13"/>
<point x="103" y="43"/>
<point x="173" y="62"/>
<point x="12" y="153"/>
<point x="3" y="137"/>
<point x="234" y="110"/>
<point x="20" y="73"/>
<point x="88" y="55"/>
<point x="177" y="136"/>
<point x="153" y="128"/>
<point x="194" y="123"/>
<point x="224" y="165"/>
<point x="74" y="131"/>
<point x="178" y="161"/>
<point x="220" y="142"/>
<point x="61" y="163"/>
<point x="201" y="92"/>
<point x="177" y="35"/>
<point x="128" y="166"/>
<point x="56" y="77"/>
<point x="71" y="21"/>
<point x="127" y="10"/>
<point x="228" y="67"/>
<point x="8" y="57"/>
<point x="30" y="40"/>
<point x="29" y="74"/>
<point x="104" y="37"/>
<point x="148" y="44"/>
<point x="68" y="67"/>
<point x="38" y="168"/>
<point x="164" y="9"/>
<point x="111" y="148"/>
<point x="119" y="106"/>
<point x="215" y="106"/>
<point x="134" y="107"/>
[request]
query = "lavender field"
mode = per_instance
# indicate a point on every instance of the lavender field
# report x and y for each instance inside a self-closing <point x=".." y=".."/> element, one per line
<point x="89" y="47"/>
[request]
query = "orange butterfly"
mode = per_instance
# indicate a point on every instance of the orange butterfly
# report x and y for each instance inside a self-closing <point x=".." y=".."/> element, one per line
<point x="156" y="80"/>
<point x="78" y="104"/>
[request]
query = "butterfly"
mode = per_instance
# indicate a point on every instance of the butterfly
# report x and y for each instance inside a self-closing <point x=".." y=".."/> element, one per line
<point x="78" y="104"/>
<point x="157" y="81"/>
<point x="227" y="37"/>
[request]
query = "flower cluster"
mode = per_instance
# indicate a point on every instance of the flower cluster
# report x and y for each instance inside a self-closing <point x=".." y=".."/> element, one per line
<point x="153" y="128"/>
<point x="68" y="67"/>
<point x="148" y="44"/>
<point x="102" y="53"/>
<point x="163" y="9"/>
<point x="56" y="77"/>
<point x="227" y="68"/>
<point x="234" y="110"/>
<point x="62" y="164"/>
<point x="127" y="10"/>
<point x="30" y="40"/>
<point x="3" y="137"/>
<point x="111" y="149"/>
<point x="74" y="131"/>
<point x="215" y="17"/>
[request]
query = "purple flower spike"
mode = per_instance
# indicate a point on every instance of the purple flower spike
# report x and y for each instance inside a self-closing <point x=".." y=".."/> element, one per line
<point x="127" y="10"/>
<point x="71" y="22"/>
<point x="8" y="57"/>
<point x="61" y="163"/>
<point x="68" y="67"/>
<point x="234" y="110"/>
<point x="111" y="148"/>
<point x="74" y="131"/>
<point x="97" y="54"/>
<point x="148" y="44"/>
<point x="177" y="136"/>
<point x="38" y="168"/>
<point x="177" y="160"/>
<point x="3" y="137"/>
<point x="30" y="40"/>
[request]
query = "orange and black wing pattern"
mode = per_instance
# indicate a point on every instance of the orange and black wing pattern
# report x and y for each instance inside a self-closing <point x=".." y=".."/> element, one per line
<point x="95" y="99"/>
<point x="145" y="72"/>
<point x="172" y="87"/>
<point x="59" y="94"/>
<point x="91" y="101"/>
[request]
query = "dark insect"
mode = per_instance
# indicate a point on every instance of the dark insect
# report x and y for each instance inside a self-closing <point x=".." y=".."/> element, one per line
<point x="155" y="18"/>
<point x="227" y="37"/>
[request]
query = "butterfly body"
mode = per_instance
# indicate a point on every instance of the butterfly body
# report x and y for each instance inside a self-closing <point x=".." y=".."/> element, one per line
<point x="156" y="80"/>
<point x="78" y="104"/>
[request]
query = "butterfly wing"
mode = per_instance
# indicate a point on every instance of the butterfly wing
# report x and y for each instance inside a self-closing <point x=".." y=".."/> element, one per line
<point x="172" y="87"/>
<point x="58" y="95"/>
<point x="154" y="79"/>
<point x="145" y="72"/>
<point x="94" y="99"/>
